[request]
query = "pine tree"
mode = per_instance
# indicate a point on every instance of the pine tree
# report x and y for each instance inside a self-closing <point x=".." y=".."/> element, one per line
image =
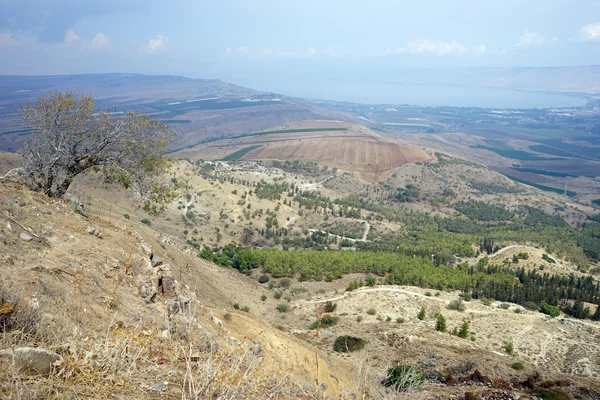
<point x="464" y="329"/>
<point x="421" y="314"/>
<point x="440" y="324"/>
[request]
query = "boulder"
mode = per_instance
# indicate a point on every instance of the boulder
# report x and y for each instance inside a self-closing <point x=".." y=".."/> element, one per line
<point x="156" y="260"/>
<point x="31" y="360"/>
<point x="168" y="286"/>
<point x="25" y="237"/>
<point x="147" y="290"/>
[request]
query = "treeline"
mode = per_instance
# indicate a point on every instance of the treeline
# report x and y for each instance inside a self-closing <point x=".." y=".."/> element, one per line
<point x="483" y="211"/>
<point x="527" y="288"/>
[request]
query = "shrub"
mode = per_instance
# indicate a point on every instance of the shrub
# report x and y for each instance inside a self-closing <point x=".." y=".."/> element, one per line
<point x="126" y="216"/>
<point x="348" y="344"/>
<point x="457" y="304"/>
<point x="486" y="301"/>
<point x="466" y="296"/>
<point x="236" y="306"/>
<point x="517" y="366"/>
<point x="245" y="309"/>
<point x="227" y="317"/>
<point x="428" y="294"/>
<point x="263" y="279"/>
<point x="146" y="221"/>
<point x="404" y="377"/>
<point x="400" y="320"/>
<point x="370" y="280"/>
<point x="371" y="311"/>
<point x="549" y="310"/>
<point x="329" y="307"/>
<point x="421" y="314"/>
<point x="510" y="349"/>
<point x="263" y="297"/>
<point x="16" y="316"/>
<point x="284" y="283"/>
<point x="440" y="323"/>
<point x="463" y="332"/>
<point x="278" y="294"/>
<point x="359" y="318"/>
<point x="283" y="307"/>
<point x="388" y="319"/>
<point x="518" y="310"/>
<point x="505" y="306"/>
<point x="271" y="285"/>
<point x="327" y="321"/>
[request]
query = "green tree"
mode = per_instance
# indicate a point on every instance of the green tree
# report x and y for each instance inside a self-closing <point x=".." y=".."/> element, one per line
<point x="440" y="323"/>
<point x="70" y="137"/>
<point x="370" y="280"/>
<point x="421" y="314"/>
<point x="463" y="332"/>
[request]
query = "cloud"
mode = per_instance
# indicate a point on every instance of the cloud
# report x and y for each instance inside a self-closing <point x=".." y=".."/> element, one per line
<point x="242" y="50"/>
<point x="100" y="41"/>
<point x="479" y="49"/>
<point x="311" y="52"/>
<point x="555" y="39"/>
<point x="71" y="36"/>
<point x="266" y="52"/>
<point x="156" y="45"/>
<point x="8" y="39"/>
<point x="48" y="20"/>
<point x="428" y="46"/>
<point x="530" y="39"/>
<point x="590" y="31"/>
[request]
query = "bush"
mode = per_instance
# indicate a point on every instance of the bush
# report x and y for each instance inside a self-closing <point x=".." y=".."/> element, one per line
<point x="457" y="304"/>
<point x="16" y="316"/>
<point x="549" y="310"/>
<point x="348" y="344"/>
<point x="327" y="321"/>
<point x="245" y="309"/>
<point x="371" y="311"/>
<point x="440" y="323"/>
<point x="329" y="307"/>
<point x="428" y="294"/>
<point x="517" y="366"/>
<point x="404" y="377"/>
<point x="126" y="216"/>
<point x="400" y="320"/>
<point x="359" y="318"/>
<point x="271" y="285"/>
<point x="505" y="306"/>
<point x="510" y="349"/>
<point x="283" y="307"/>
<point x="463" y="332"/>
<point x="236" y="306"/>
<point x="146" y="221"/>
<point x="263" y="297"/>
<point x="421" y="314"/>
<point x="486" y="301"/>
<point x="370" y="280"/>
<point x="284" y="283"/>
<point x="263" y="279"/>
<point x="388" y="319"/>
<point x="278" y="294"/>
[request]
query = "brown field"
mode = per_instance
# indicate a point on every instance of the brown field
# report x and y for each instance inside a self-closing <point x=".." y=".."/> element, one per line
<point x="357" y="149"/>
<point x="371" y="157"/>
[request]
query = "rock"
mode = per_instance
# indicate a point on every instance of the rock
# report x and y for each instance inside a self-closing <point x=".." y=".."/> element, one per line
<point x="31" y="360"/>
<point x="25" y="237"/>
<point x="257" y="348"/>
<point x="216" y="320"/>
<point x="168" y="286"/>
<point x="91" y="230"/>
<point x="156" y="260"/>
<point x="147" y="290"/>
<point x="174" y="307"/>
<point x="160" y="386"/>
<point x="146" y="248"/>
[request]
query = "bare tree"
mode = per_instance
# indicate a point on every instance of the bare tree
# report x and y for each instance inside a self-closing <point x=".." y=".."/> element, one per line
<point x="69" y="138"/>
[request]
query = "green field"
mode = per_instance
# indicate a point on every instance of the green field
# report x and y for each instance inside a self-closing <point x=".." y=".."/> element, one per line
<point x="240" y="153"/>
<point x="542" y="172"/>
<point x="541" y="187"/>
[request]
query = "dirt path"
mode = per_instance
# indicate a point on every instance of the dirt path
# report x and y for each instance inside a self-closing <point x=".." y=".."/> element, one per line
<point x="375" y="289"/>
<point x="367" y="230"/>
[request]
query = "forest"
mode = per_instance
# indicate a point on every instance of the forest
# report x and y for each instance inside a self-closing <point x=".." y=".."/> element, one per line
<point x="528" y="288"/>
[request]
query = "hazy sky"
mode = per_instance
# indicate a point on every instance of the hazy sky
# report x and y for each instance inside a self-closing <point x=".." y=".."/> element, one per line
<point x="241" y="40"/>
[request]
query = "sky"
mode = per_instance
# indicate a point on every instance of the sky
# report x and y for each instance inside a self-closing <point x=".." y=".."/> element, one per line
<point x="250" y="41"/>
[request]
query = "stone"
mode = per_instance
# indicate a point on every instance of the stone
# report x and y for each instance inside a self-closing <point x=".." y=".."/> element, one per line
<point x="168" y="286"/>
<point x="160" y="386"/>
<point x="25" y="237"/>
<point x="147" y="290"/>
<point x="146" y="248"/>
<point x="156" y="260"/>
<point x="174" y="307"/>
<point x="31" y="360"/>
<point x="90" y="229"/>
